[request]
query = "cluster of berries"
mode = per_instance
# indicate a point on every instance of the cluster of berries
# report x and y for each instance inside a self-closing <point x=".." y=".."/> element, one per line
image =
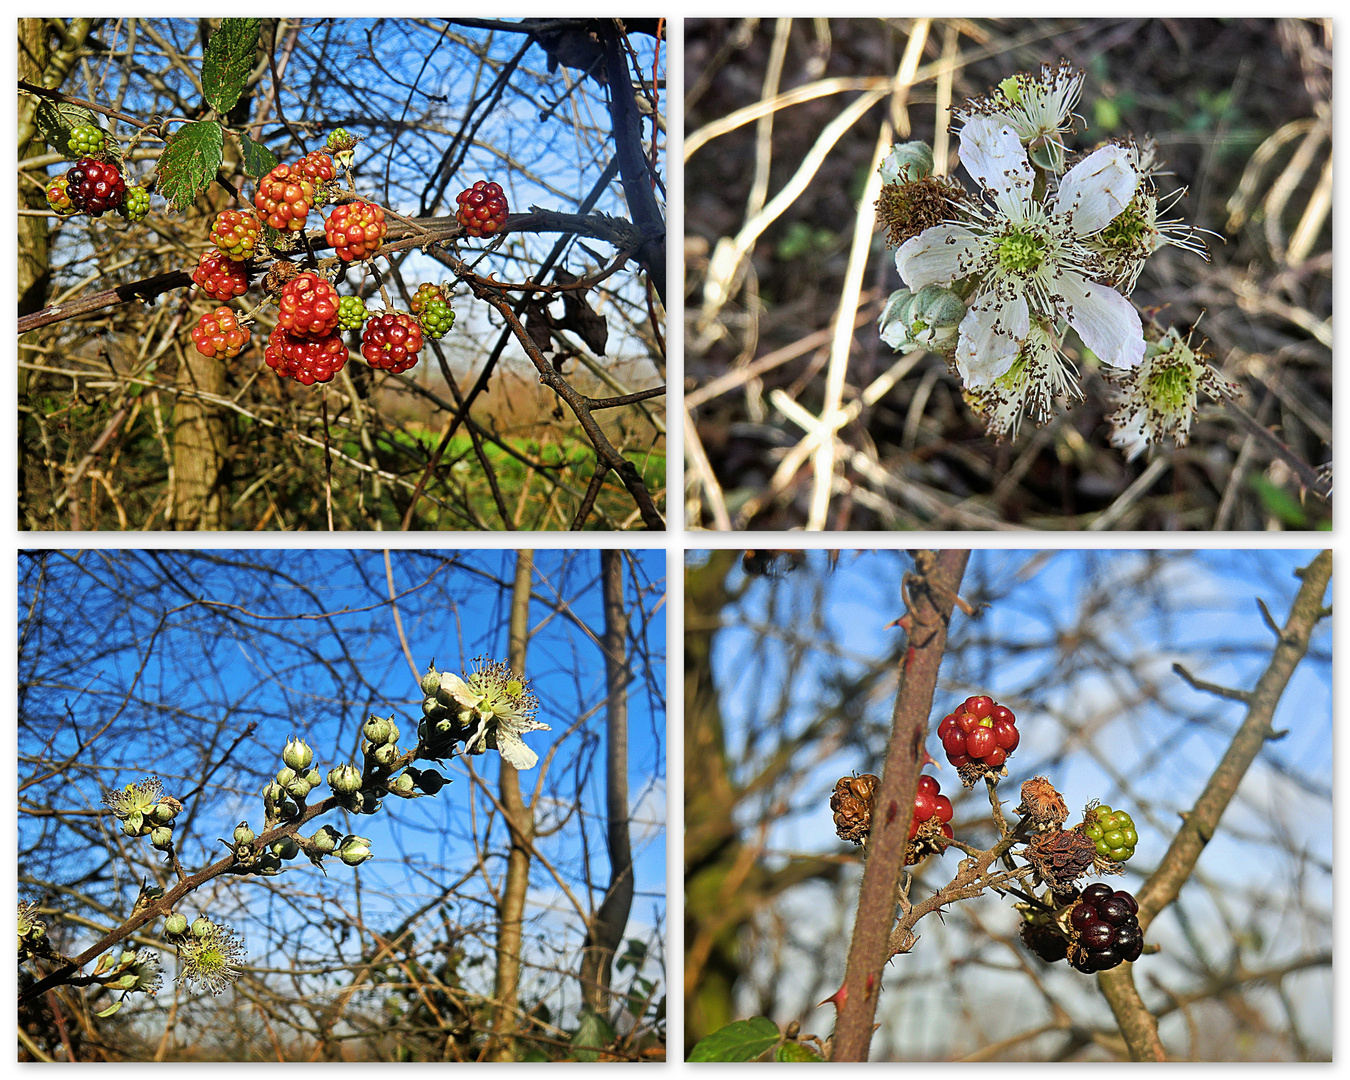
<point x="932" y="818"/>
<point x="1112" y="831"/>
<point x="978" y="736"/>
<point x="482" y="208"/>
<point x="95" y="185"/>
<point x="1107" y="927"/>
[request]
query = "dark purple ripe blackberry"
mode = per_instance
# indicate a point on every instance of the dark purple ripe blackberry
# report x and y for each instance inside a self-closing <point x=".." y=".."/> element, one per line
<point x="1108" y="929"/>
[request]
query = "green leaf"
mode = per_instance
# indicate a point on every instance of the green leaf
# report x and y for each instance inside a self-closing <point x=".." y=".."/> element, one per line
<point x="227" y="62"/>
<point x="190" y="161"/>
<point x="795" y="1051"/>
<point x="110" y="1009"/>
<point x="593" y="1031"/>
<point x="1279" y="502"/>
<point x="55" y="119"/>
<point x="742" y="1040"/>
<point x="258" y="159"/>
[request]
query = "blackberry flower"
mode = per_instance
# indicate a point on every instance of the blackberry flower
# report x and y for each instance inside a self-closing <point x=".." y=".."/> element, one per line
<point x="211" y="960"/>
<point x="134" y="798"/>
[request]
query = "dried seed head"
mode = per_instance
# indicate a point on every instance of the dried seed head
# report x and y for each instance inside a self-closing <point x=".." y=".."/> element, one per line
<point x="1042" y="805"/>
<point x="1061" y="857"/>
<point x="851" y="802"/>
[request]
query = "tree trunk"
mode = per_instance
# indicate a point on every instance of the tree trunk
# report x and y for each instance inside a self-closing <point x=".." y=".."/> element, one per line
<point x="520" y="822"/>
<point x="606" y="928"/>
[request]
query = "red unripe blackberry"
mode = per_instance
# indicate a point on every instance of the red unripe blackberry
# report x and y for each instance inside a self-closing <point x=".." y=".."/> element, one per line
<point x="220" y="278"/>
<point x="308" y="360"/>
<point x="924" y="806"/>
<point x="426" y="292"/>
<point x="284" y="198"/>
<point x="980" y="705"/>
<point x="236" y="234"/>
<point x="980" y="733"/>
<point x="219" y="334"/>
<point x="980" y="742"/>
<point x="316" y="167"/>
<point x="943" y="808"/>
<point x="928" y="822"/>
<point x="308" y="306"/>
<point x="928" y="786"/>
<point x="482" y="208"/>
<point x="95" y="187"/>
<point x="355" y="230"/>
<point x="391" y="341"/>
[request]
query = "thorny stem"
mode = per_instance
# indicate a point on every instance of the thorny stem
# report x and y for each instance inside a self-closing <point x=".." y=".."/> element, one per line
<point x="930" y="594"/>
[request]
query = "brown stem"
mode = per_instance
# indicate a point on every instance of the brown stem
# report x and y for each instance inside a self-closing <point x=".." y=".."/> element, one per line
<point x="548" y="375"/>
<point x="929" y="613"/>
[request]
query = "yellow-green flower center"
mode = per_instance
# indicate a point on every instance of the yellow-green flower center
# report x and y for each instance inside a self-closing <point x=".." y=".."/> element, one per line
<point x="1020" y="252"/>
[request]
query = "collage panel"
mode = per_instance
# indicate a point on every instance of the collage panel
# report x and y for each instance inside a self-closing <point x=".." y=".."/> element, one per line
<point x="341" y="806"/>
<point x="1051" y="274"/>
<point x="1001" y="805"/>
<point x="341" y="274"/>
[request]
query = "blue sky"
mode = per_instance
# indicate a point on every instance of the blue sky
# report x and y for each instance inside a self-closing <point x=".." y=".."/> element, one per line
<point x="312" y="654"/>
<point x="1199" y="610"/>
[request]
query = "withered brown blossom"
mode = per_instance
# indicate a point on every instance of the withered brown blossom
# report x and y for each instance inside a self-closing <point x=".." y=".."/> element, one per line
<point x="852" y="806"/>
<point x="1041" y="804"/>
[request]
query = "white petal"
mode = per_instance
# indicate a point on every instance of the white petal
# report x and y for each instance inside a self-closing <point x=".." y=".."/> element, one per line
<point x="1107" y="322"/>
<point x="1098" y="188"/>
<point x="458" y="690"/>
<point x="514" y="752"/>
<point x="937" y="256"/>
<point x="991" y="337"/>
<point x="993" y="154"/>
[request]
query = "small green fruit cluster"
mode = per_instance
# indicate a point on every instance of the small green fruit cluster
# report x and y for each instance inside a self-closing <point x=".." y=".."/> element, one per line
<point x="1112" y="831"/>
<point x="85" y="139"/>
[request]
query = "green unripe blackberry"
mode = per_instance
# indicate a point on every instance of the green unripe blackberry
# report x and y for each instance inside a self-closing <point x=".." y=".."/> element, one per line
<point x="136" y="203"/>
<point x="352" y="313"/>
<point x="437" y="318"/>
<point x="1112" y="831"/>
<point x="84" y="140"/>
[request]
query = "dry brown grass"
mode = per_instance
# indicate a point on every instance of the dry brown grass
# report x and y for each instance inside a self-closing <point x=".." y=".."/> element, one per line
<point x="1241" y="111"/>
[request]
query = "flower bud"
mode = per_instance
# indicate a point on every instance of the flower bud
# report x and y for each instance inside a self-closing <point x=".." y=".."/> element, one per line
<point x="201" y="926"/>
<point x="930" y="318"/>
<point x="285" y="848"/>
<point x="376" y="729"/>
<point x="162" y="814"/>
<point x="313" y="778"/>
<point x="354" y="850"/>
<point x="907" y="162"/>
<point x="174" y="923"/>
<point x="298" y="788"/>
<point x="430" y="781"/>
<point x="274" y="792"/>
<point x="326" y="840"/>
<point x="345" y="779"/>
<point x="385" y="754"/>
<point x="297" y="755"/>
<point x="431" y="682"/>
<point x="243" y="834"/>
<point x="162" y="837"/>
<point x="285" y="776"/>
<point x="431" y="706"/>
<point x="402" y="785"/>
<point x="133" y="823"/>
<point x="269" y="865"/>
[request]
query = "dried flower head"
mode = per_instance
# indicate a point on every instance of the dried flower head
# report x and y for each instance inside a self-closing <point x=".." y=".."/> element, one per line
<point x="1061" y="857"/>
<point x="1042" y="804"/>
<point x="851" y="802"/>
